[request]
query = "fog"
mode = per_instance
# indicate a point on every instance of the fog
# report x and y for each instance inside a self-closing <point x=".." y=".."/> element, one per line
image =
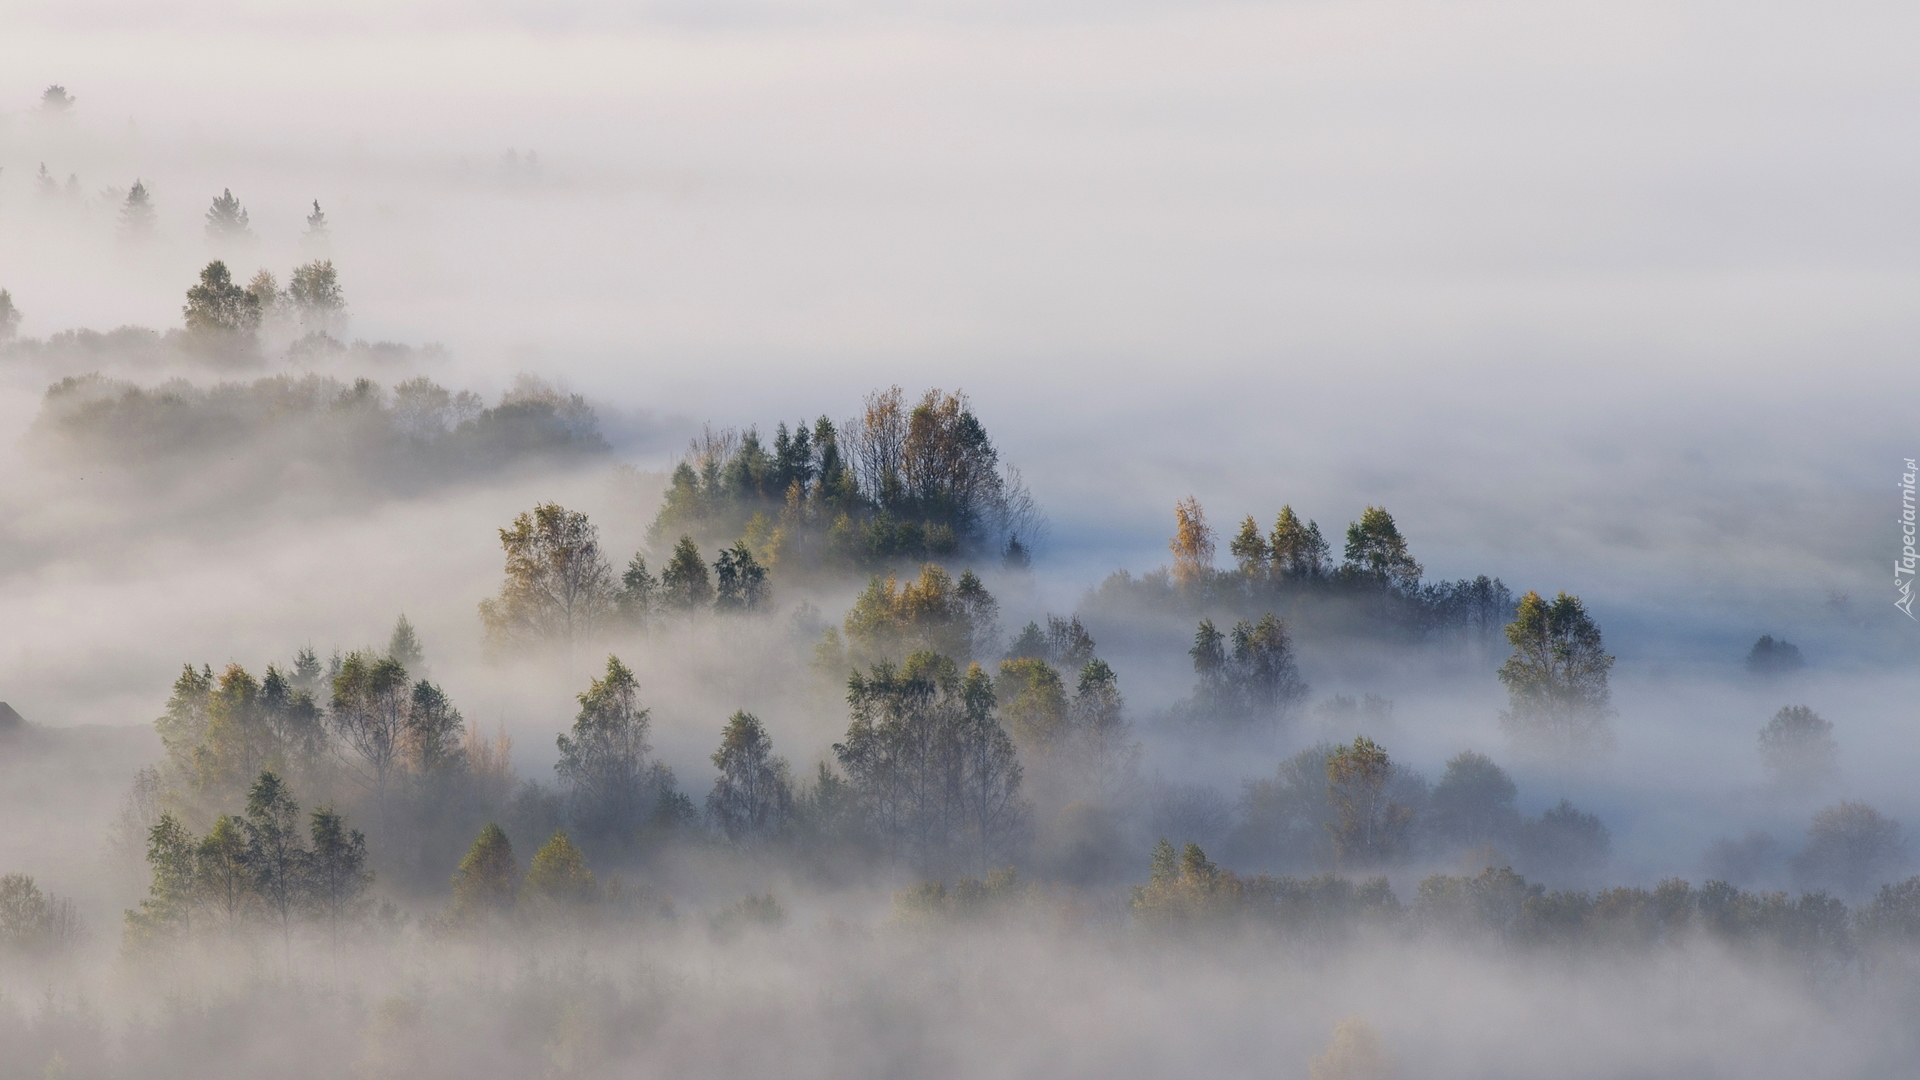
<point x="1610" y="300"/>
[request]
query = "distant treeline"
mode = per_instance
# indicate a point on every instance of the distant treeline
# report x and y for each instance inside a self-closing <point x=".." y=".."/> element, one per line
<point x="1374" y="589"/>
<point x="901" y="482"/>
<point x="356" y="435"/>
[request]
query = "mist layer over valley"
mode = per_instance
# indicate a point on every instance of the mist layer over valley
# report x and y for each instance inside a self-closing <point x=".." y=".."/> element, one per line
<point x="1345" y="540"/>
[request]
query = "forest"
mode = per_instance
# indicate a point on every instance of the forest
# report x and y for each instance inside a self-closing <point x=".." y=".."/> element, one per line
<point x="817" y="569"/>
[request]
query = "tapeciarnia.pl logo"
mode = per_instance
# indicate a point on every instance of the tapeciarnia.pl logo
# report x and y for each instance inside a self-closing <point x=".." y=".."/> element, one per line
<point x="1905" y="563"/>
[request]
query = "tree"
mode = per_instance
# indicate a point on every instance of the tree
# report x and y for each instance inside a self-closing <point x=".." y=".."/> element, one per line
<point x="1774" y="657"/>
<point x="1258" y="681"/>
<point x="336" y="871"/>
<point x="933" y="613"/>
<point x="1298" y="551"/>
<point x="167" y="910"/>
<point x="1354" y="1053"/>
<point x="1368" y="827"/>
<point x="370" y="712"/>
<point x="1473" y="802"/>
<point x="1850" y="847"/>
<point x="559" y="876"/>
<point x="55" y="101"/>
<point x="558" y="587"/>
<point x="741" y="583"/>
<point x="276" y="859"/>
<point x="936" y="775"/>
<point x="1192" y="544"/>
<point x="639" y="593"/>
<point x="1098" y="731"/>
<point x="219" y="311"/>
<point x="684" y="584"/>
<point x="32" y="922"/>
<point x="483" y="885"/>
<point x="137" y="215"/>
<point x="1377" y="552"/>
<point x="314" y="291"/>
<point x="9" y="317"/>
<point x="227" y="219"/>
<point x="752" y="798"/>
<point x="1797" y="747"/>
<point x="434" y="729"/>
<point x="1035" y="700"/>
<point x="221" y="873"/>
<point x="1250" y="551"/>
<point x="317" y="229"/>
<point x="403" y="647"/>
<point x="603" y="761"/>
<point x="1556" y="679"/>
<point x="1564" y="843"/>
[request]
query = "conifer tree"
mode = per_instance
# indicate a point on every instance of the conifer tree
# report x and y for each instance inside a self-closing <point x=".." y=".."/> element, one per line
<point x="403" y="646"/>
<point x="137" y="215"/>
<point x="684" y="584"/>
<point x="1250" y="551"/>
<point x="227" y="219"/>
<point x="639" y="593"/>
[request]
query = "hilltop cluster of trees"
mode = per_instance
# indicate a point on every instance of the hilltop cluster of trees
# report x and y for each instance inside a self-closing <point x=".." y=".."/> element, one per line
<point x="903" y="481"/>
<point x="1376" y="588"/>
<point x="353" y="437"/>
<point x="559" y="588"/>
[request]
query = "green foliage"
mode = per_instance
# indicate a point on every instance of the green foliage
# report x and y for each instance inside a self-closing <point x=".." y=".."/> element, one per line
<point x="403" y="647"/>
<point x="337" y="871"/>
<point x="1367" y="826"/>
<point x="901" y="481"/>
<point x="1259" y="681"/>
<point x="611" y="785"/>
<point x="1377" y="552"/>
<point x="931" y="903"/>
<point x="684" y="584"/>
<point x="936" y="776"/>
<point x="220" y="314"/>
<point x="483" y="885"/>
<point x="752" y="798"/>
<point x="558" y="588"/>
<point x="167" y="911"/>
<point x="277" y="859"/>
<point x="932" y="614"/>
<point x="33" y="923"/>
<point x="1473" y="802"/>
<point x="314" y="291"/>
<point x="346" y="439"/>
<point x="227" y="219"/>
<point x="1034" y="703"/>
<point x="1556" y="679"/>
<point x="222" y="879"/>
<point x="639" y="594"/>
<point x="559" y="876"/>
<point x="740" y="583"/>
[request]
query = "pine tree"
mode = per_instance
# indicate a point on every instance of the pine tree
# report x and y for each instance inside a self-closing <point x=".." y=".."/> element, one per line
<point x="137" y="215"/>
<point x="639" y="593"/>
<point x="227" y="219"/>
<point x="684" y="584"/>
<point x="1250" y="551"/>
<point x="317" y="222"/>
<point x="403" y="647"/>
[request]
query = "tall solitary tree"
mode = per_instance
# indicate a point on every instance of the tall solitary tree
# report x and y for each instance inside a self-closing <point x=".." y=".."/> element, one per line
<point x="559" y="587"/>
<point x="1192" y="544"/>
<point x="1556" y="679"/>
<point x="603" y="760"/>
<point x="752" y="797"/>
